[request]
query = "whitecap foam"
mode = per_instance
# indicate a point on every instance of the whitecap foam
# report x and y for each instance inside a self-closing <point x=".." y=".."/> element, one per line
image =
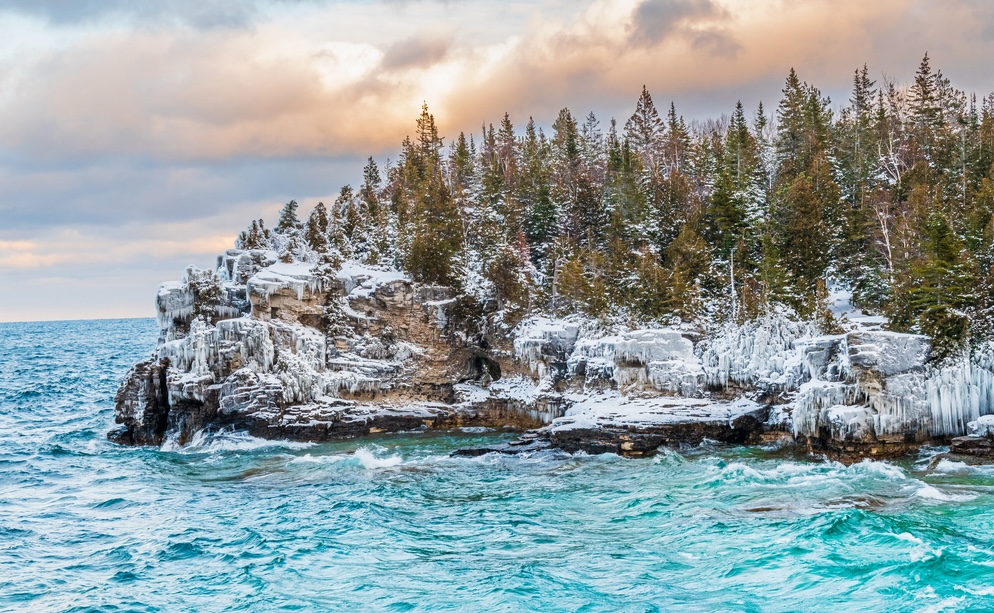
<point x="929" y="492"/>
<point x="984" y="591"/>
<point x="320" y="459"/>
<point x="945" y="604"/>
<point x="371" y="462"/>
<point x="921" y="550"/>
<point x="908" y="537"/>
<point x="880" y="469"/>
<point x="226" y="441"/>
<point x="951" y="467"/>
<point x="738" y="469"/>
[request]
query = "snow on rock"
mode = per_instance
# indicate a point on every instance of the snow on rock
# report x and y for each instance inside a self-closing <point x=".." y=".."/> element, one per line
<point x="841" y="306"/>
<point x="961" y="392"/>
<point x="298" y="278"/>
<point x="858" y="386"/>
<point x="257" y="339"/>
<point x="888" y="374"/>
<point x="663" y="360"/>
<point x="982" y="426"/>
<point x="887" y="353"/>
<point x="850" y="423"/>
<point x="821" y="403"/>
<point x="760" y="352"/>
<point x="238" y="266"/>
<point x="862" y="385"/>
<point x="173" y="301"/>
<point x="538" y="341"/>
<point x="616" y="410"/>
<point x="361" y="281"/>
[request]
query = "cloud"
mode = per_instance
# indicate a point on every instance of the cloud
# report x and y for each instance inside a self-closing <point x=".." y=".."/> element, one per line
<point x="653" y="21"/>
<point x="420" y="51"/>
<point x="113" y="193"/>
<point x="152" y="128"/>
<point x="715" y="42"/>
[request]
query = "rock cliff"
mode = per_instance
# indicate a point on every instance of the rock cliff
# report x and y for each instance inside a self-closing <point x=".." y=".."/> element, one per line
<point x="313" y="352"/>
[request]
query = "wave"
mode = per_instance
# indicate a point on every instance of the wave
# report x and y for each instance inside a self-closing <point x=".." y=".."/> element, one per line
<point x="227" y="441"/>
<point x="951" y="467"/>
<point x="921" y="550"/>
<point x="318" y="459"/>
<point x="371" y="462"/>
<point x="929" y="492"/>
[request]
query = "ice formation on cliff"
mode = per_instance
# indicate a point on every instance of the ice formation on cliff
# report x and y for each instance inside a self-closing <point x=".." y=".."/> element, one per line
<point x="858" y="386"/>
<point x="253" y="359"/>
<point x="250" y="334"/>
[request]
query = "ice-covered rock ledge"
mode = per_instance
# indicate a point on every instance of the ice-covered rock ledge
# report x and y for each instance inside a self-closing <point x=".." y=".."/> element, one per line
<point x="288" y="351"/>
<point x="980" y="440"/>
<point x="635" y="426"/>
<point x="298" y="351"/>
<point x="867" y="392"/>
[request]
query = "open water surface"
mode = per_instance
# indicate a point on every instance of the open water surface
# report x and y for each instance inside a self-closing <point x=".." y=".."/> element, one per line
<point x="236" y="523"/>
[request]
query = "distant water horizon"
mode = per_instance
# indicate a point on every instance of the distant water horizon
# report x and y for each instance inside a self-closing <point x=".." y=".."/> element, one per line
<point x="232" y="522"/>
<point x="57" y="321"/>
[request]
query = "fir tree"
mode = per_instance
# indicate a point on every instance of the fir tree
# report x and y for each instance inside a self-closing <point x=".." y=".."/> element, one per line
<point x="288" y="221"/>
<point x="644" y="130"/>
<point x="316" y="231"/>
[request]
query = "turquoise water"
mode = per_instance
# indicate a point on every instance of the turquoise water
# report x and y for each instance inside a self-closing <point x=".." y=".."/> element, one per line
<point x="235" y="523"/>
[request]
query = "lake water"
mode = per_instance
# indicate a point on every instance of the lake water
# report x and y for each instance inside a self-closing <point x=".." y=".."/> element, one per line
<point x="395" y="524"/>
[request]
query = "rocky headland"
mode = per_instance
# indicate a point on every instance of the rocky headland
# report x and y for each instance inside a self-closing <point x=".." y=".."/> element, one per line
<point x="304" y="352"/>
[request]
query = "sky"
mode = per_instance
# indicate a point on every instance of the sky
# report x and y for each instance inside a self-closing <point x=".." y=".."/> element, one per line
<point x="138" y="137"/>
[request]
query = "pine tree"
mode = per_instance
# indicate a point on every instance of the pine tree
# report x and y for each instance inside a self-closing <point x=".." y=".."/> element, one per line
<point x="289" y="227"/>
<point x="644" y="130"/>
<point x="923" y="104"/>
<point x="431" y="218"/>
<point x="288" y="221"/>
<point x="316" y="231"/>
<point x="535" y="194"/>
<point x="738" y="202"/>
<point x="254" y="237"/>
<point x="380" y="220"/>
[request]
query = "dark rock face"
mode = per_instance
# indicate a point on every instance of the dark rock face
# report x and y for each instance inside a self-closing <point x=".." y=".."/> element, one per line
<point x="530" y="442"/>
<point x="633" y="441"/>
<point x="977" y="446"/>
<point x="644" y="440"/>
<point x="142" y="405"/>
<point x="850" y="451"/>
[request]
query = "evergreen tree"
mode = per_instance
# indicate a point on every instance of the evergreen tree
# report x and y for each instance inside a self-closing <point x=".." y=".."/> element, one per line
<point x="713" y="221"/>
<point x="288" y="221"/>
<point x="291" y="230"/>
<point x="644" y="131"/>
<point x="431" y="230"/>
<point x="535" y="194"/>
<point x="316" y="232"/>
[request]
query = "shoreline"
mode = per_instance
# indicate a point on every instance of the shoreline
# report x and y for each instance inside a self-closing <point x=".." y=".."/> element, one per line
<point x="292" y="351"/>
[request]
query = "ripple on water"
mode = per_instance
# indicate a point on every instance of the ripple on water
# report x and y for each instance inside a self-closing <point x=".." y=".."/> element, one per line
<point x="232" y="522"/>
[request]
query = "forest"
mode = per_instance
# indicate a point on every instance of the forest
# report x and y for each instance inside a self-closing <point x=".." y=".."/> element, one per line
<point x="659" y="221"/>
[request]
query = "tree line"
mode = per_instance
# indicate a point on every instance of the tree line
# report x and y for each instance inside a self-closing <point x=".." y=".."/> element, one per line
<point x="658" y="220"/>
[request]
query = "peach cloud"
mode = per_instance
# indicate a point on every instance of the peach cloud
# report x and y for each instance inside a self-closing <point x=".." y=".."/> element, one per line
<point x="133" y="144"/>
<point x="286" y="88"/>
